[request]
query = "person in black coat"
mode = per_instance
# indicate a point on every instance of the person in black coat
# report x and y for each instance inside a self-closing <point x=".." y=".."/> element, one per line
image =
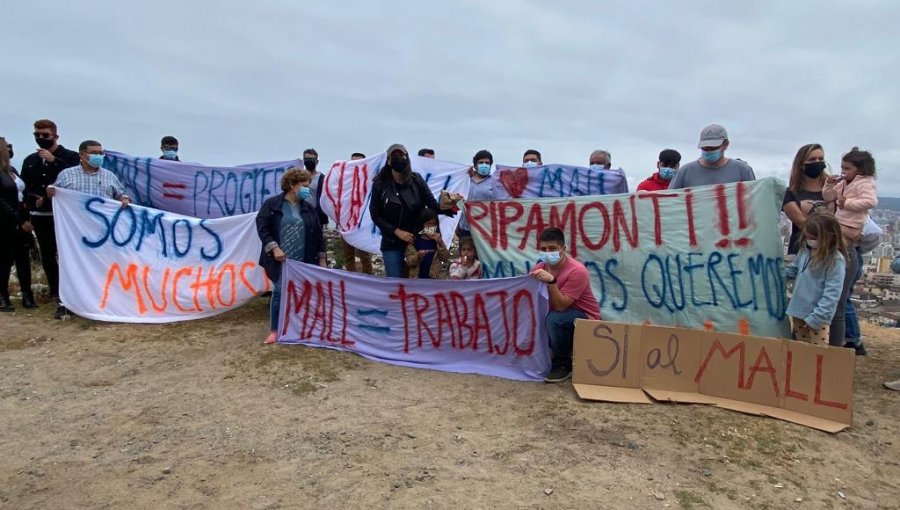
<point x="14" y="225"/>
<point x="289" y="228"/>
<point x="398" y="197"/>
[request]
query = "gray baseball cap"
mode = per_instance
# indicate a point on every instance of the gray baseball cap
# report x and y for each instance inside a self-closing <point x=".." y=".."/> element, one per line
<point x="712" y="135"/>
<point x="396" y="147"/>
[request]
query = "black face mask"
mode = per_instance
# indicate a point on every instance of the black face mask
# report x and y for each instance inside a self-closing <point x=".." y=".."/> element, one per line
<point x="10" y="152"/>
<point x="310" y="164"/>
<point x="45" y="143"/>
<point x="813" y="170"/>
<point x="398" y="163"/>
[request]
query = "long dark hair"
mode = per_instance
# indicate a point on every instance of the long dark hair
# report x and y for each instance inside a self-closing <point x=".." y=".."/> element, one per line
<point x="4" y="155"/>
<point x="384" y="175"/>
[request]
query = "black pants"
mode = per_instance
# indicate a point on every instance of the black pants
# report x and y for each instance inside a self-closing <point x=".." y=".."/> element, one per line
<point x="8" y="241"/>
<point x="22" y="255"/>
<point x="46" y="235"/>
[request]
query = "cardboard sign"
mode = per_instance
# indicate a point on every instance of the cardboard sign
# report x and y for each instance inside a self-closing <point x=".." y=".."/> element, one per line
<point x="793" y="381"/>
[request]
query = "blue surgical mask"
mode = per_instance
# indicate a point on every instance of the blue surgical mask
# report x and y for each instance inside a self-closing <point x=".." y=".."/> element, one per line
<point x="303" y="193"/>
<point x="170" y="155"/>
<point x="483" y="169"/>
<point x="711" y="156"/>
<point x="95" y="160"/>
<point x="595" y="167"/>
<point x="552" y="257"/>
<point x="530" y="164"/>
<point x="666" y="173"/>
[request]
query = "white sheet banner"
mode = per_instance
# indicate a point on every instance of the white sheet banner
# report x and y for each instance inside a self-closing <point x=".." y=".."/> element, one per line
<point x="348" y="191"/>
<point x="197" y="190"/>
<point x="136" y="264"/>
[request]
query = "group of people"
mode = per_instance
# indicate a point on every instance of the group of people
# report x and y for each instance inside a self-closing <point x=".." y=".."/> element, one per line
<point x="828" y="213"/>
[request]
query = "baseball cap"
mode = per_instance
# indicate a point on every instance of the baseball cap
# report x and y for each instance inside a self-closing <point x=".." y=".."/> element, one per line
<point x="712" y="135"/>
<point x="396" y="147"/>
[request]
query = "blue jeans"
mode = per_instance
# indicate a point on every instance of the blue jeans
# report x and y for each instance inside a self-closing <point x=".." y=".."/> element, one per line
<point x="852" y="334"/>
<point x="395" y="262"/>
<point x="275" y="306"/>
<point x="561" y="329"/>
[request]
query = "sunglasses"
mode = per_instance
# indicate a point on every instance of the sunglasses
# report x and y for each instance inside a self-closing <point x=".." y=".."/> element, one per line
<point x="45" y="136"/>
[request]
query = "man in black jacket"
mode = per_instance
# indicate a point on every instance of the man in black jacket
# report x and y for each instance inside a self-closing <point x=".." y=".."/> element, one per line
<point x="40" y="170"/>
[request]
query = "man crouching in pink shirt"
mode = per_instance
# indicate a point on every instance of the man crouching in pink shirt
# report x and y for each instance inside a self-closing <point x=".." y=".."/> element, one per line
<point x="571" y="297"/>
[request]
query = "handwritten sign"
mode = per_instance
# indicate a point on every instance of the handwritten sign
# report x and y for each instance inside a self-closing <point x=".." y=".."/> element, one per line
<point x="197" y="190"/>
<point x="474" y="326"/>
<point x="137" y="264"/>
<point x="348" y="192"/>
<point x="707" y="257"/>
<point x="794" y="381"/>
<point x="560" y="181"/>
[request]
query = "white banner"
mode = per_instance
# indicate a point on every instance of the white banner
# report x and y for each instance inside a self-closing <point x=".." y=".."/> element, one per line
<point x="137" y="264"/>
<point x="348" y="191"/>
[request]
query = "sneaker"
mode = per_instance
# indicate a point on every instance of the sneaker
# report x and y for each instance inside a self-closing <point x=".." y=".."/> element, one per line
<point x="62" y="313"/>
<point x="558" y="375"/>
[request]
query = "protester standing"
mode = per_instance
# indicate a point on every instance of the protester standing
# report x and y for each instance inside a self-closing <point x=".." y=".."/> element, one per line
<point x="854" y="194"/>
<point x="398" y="197"/>
<point x="483" y="186"/>
<point x="804" y="193"/>
<point x="712" y="167"/>
<point x="666" y="167"/>
<point x="169" y="147"/>
<point x="316" y="183"/>
<point x="14" y="224"/>
<point x="531" y="159"/>
<point x="289" y="228"/>
<point x="39" y="170"/>
<point x="427" y="253"/>
<point x="90" y="177"/>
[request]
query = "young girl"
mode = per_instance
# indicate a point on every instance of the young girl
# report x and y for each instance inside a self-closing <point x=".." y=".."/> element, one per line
<point x="427" y="251"/>
<point x="819" y="272"/>
<point x="854" y="194"/>
<point x="467" y="266"/>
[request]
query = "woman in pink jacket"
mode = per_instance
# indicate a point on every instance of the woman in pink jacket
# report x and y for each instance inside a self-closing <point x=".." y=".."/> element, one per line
<point x="854" y="194"/>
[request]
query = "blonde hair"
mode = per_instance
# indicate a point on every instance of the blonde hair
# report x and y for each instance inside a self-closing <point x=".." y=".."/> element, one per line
<point x="824" y="227"/>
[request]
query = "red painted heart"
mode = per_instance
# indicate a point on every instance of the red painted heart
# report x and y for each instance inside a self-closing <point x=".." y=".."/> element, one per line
<point x="514" y="181"/>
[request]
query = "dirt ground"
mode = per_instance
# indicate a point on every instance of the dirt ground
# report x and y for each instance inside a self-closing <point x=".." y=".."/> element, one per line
<point x="202" y="415"/>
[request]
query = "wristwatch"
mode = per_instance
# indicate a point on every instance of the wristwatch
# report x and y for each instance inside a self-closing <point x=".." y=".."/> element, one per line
<point x="552" y="282"/>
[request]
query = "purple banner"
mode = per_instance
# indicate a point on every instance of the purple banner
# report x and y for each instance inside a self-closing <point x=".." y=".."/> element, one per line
<point x="488" y="327"/>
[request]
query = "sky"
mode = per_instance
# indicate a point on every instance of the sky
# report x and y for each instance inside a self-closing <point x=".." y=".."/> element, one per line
<point x="242" y="82"/>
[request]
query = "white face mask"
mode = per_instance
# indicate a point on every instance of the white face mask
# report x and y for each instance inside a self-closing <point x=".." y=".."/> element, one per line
<point x="812" y="244"/>
<point x="428" y="230"/>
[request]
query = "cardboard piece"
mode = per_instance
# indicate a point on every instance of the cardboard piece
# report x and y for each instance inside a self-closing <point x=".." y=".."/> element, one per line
<point x="606" y="362"/>
<point x="805" y="384"/>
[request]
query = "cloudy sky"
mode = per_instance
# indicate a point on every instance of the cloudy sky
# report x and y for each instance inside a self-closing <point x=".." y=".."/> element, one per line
<point x="240" y="82"/>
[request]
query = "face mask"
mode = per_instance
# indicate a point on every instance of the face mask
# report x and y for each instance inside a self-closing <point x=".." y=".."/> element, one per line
<point x="552" y="257"/>
<point x="812" y="244"/>
<point x="595" y="167"/>
<point x="483" y="169"/>
<point x="666" y="173"/>
<point x="813" y="170"/>
<point x="95" y="160"/>
<point x="169" y="154"/>
<point x="398" y="163"/>
<point x="530" y="164"/>
<point x="310" y="164"/>
<point x="303" y="193"/>
<point x="45" y="143"/>
<point x="10" y="153"/>
<point x="711" y="156"/>
<point x="428" y="230"/>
